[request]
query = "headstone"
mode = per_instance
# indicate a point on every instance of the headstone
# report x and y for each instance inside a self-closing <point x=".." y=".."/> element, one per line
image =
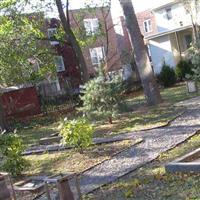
<point x="187" y="163"/>
<point x="191" y="86"/>
<point x="4" y="191"/>
<point x="127" y="72"/>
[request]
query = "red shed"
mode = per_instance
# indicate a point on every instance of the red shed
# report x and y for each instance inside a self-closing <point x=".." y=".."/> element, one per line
<point x="20" y="102"/>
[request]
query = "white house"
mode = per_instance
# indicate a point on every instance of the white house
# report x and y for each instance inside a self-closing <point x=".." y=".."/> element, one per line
<point x="173" y="37"/>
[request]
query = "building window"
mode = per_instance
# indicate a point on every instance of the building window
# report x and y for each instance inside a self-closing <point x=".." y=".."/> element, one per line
<point x="168" y="13"/>
<point x="60" y="66"/>
<point x="188" y="40"/>
<point x="55" y="86"/>
<point x="91" y="26"/>
<point x="97" y="55"/>
<point x="51" y="36"/>
<point x="147" y="26"/>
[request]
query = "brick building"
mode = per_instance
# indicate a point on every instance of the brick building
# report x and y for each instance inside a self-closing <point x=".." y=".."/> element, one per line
<point x="68" y="74"/>
<point x="97" y="23"/>
<point x="147" y="23"/>
<point x="124" y="43"/>
<point x="96" y="29"/>
<point x="129" y="69"/>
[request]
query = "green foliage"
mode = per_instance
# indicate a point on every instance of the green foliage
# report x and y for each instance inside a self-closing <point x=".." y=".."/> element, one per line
<point x="11" y="149"/>
<point x="182" y="69"/>
<point x="77" y="133"/>
<point x="167" y="76"/>
<point x="6" y="3"/>
<point x="195" y="58"/>
<point x="82" y="37"/>
<point x="102" y="98"/>
<point x="21" y="49"/>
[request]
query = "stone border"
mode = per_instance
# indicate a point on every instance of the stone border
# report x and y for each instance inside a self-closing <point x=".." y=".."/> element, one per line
<point x="137" y="141"/>
<point x="57" y="147"/>
<point x="180" y="165"/>
<point x="139" y="166"/>
<point x="97" y="141"/>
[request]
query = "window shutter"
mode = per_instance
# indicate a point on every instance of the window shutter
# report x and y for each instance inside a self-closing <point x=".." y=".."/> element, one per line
<point x="149" y="23"/>
<point x="95" y="25"/>
<point x="100" y="53"/>
<point x="97" y="55"/>
<point x="93" y="55"/>
<point x="169" y="13"/>
<point x="147" y="26"/>
<point x="87" y="25"/>
<point x="91" y="26"/>
<point x="59" y="63"/>
<point x="51" y="35"/>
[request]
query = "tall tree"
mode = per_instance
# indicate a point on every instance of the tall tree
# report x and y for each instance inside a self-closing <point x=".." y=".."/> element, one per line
<point x="19" y="7"/>
<point x="20" y="50"/>
<point x="192" y="8"/>
<point x="72" y="39"/>
<point x="148" y="80"/>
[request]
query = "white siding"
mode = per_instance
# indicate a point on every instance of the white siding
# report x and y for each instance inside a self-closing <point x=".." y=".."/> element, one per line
<point x="179" y="18"/>
<point x="161" y="51"/>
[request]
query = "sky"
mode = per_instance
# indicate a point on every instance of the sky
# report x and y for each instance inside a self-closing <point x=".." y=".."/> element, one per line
<point x="139" y="5"/>
<point x="116" y="11"/>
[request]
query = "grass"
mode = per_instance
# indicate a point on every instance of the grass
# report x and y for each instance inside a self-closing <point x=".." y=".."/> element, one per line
<point x="141" y="117"/>
<point x="136" y="121"/>
<point x="152" y="182"/>
<point x="176" y="94"/>
<point x="71" y="160"/>
<point x="32" y="133"/>
<point x="33" y="130"/>
<point x="170" y="96"/>
<point x="131" y="121"/>
<point x="144" y="117"/>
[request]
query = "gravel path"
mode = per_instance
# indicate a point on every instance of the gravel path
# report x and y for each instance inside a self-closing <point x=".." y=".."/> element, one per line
<point x="57" y="147"/>
<point x="155" y="142"/>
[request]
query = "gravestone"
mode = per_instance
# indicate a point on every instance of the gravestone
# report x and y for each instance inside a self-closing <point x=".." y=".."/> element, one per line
<point x="4" y="191"/>
<point x="187" y="163"/>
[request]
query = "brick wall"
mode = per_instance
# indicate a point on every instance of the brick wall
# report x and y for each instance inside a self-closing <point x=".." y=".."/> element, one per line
<point x="124" y="43"/>
<point x="145" y="15"/>
<point x="113" y="58"/>
<point x="72" y="72"/>
<point x="20" y="103"/>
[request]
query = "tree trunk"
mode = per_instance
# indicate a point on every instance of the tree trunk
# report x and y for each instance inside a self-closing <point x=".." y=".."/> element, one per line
<point x="195" y="25"/>
<point x="143" y="64"/>
<point x="3" y="123"/>
<point x="110" y="120"/>
<point x="70" y="35"/>
<point x="194" y="29"/>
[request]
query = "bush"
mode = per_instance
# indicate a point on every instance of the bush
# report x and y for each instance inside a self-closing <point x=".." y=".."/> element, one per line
<point x="167" y="76"/>
<point x="182" y="69"/>
<point x="102" y="98"/>
<point x="11" y="149"/>
<point x="77" y="133"/>
<point x="131" y="86"/>
<point x="194" y="53"/>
